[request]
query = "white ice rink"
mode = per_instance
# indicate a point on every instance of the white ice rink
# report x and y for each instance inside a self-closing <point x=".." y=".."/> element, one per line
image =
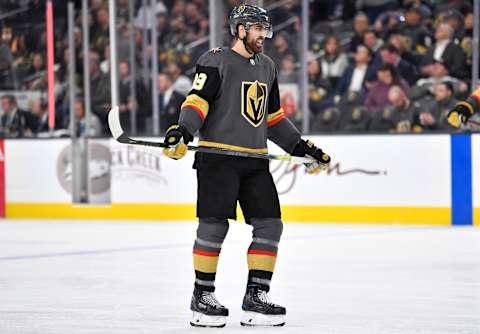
<point x="137" y="277"/>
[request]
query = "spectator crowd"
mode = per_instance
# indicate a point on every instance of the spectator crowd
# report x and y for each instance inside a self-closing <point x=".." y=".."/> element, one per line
<point x="378" y="66"/>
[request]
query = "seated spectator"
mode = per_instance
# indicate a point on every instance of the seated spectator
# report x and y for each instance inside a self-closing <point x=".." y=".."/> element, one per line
<point x="122" y="12"/>
<point x="466" y="42"/>
<point x="100" y="88"/>
<point x="334" y="61"/>
<point x="15" y="122"/>
<point x="282" y="46"/>
<point x="405" y="113"/>
<point x="373" y="8"/>
<point x="377" y="96"/>
<point x="100" y="30"/>
<point x="181" y="83"/>
<point x="434" y="112"/>
<point x="446" y="51"/>
<point x="456" y="21"/>
<point x="169" y="101"/>
<point x="356" y="76"/>
<point x="288" y="70"/>
<point x="387" y="24"/>
<point x="417" y="36"/>
<point x="193" y="20"/>
<point x="39" y="109"/>
<point x="401" y="116"/>
<point x="141" y="104"/>
<point x="439" y="74"/>
<point x="360" y="26"/>
<point x="163" y="28"/>
<point x="401" y="43"/>
<point x="371" y="40"/>
<point x="95" y="129"/>
<point x="391" y="55"/>
<point x="320" y="90"/>
<point x="145" y="18"/>
<point x="7" y="72"/>
<point x="316" y="78"/>
<point x="37" y="74"/>
<point x="178" y="34"/>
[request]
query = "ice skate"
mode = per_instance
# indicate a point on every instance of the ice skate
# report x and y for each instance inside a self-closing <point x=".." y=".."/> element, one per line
<point x="207" y="311"/>
<point x="259" y="310"/>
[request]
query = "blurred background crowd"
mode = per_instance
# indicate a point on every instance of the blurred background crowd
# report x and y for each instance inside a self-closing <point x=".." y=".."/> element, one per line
<point x="373" y="65"/>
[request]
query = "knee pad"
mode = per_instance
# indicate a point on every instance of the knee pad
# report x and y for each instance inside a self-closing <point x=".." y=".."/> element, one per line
<point x="212" y="229"/>
<point x="267" y="228"/>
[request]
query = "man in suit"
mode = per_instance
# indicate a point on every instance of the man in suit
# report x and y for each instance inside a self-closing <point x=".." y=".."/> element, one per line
<point x="15" y="122"/>
<point x="446" y="51"/>
<point x="356" y="76"/>
<point x="141" y="103"/>
<point x="360" y="26"/>
<point x="100" y="88"/>
<point x="389" y="54"/>
<point x="434" y="112"/>
<point x="169" y="101"/>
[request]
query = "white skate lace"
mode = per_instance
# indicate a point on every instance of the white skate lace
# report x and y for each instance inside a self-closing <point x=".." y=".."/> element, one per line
<point x="210" y="299"/>
<point x="262" y="295"/>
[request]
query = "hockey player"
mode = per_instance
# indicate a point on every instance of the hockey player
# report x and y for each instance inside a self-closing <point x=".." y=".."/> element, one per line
<point x="235" y="105"/>
<point x="463" y="110"/>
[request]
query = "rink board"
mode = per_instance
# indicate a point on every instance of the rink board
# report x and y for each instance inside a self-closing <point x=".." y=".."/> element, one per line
<point x="373" y="179"/>
<point x="476" y="178"/>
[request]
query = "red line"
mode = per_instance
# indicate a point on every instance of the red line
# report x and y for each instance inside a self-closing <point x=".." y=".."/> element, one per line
<point x="197" y="109"/>
<point x="205" y="253"/>
<point x="261" y="252"/>
<point x="276" y="120"/>
<point x="50" y="60"/>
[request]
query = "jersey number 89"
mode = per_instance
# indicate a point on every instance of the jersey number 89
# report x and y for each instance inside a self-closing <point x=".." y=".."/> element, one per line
<point x="199" y="81"/>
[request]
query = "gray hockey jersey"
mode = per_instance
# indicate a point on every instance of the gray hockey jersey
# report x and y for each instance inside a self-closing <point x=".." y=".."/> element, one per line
<point x="235" y="104"/>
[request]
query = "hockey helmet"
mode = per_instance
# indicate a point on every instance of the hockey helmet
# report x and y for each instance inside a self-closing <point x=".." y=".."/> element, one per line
<point x="248" y="15"/>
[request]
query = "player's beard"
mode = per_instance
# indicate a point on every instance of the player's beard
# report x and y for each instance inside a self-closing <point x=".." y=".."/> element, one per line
<point x="256" y="45"/>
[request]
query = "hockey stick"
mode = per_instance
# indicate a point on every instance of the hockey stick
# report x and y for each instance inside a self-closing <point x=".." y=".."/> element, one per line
<point x="121" y="137"/>
<point x="471" y="121"/>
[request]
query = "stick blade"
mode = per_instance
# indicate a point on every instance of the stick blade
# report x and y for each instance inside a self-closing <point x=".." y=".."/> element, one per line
<point x="114" y="123"/>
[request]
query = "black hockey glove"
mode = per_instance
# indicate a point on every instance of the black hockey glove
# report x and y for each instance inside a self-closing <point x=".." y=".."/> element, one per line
<point x="460" y="114"/>
<point x="177" y="137"/>
<point x="307" y="148"/>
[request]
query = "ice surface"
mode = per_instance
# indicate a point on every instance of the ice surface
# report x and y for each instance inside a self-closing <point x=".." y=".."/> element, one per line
<point x="136" y="277"/>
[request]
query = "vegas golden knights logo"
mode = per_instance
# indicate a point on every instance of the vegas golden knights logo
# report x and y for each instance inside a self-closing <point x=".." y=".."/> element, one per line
<point x="254" y="101"/>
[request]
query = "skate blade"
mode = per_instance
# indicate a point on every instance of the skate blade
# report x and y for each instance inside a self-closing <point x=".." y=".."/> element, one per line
<point x="259" y="319"/>
<point x="203" y="320"/>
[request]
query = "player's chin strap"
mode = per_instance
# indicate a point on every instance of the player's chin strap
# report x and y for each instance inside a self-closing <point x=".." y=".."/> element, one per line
<point x="246" y="46"/>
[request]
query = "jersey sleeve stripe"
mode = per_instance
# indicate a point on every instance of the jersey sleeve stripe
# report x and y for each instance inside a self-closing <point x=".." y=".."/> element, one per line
<point x="195" y="109"/>
<point x="476" y="96"/>
<point x="275" y="117"/>
<point x="198" y="104"/>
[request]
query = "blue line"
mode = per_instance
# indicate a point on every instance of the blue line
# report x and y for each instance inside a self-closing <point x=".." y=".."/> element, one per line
<point x="461" y="154"/>
<point x="91" y="252"/>
<point x="162" y="247"/>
